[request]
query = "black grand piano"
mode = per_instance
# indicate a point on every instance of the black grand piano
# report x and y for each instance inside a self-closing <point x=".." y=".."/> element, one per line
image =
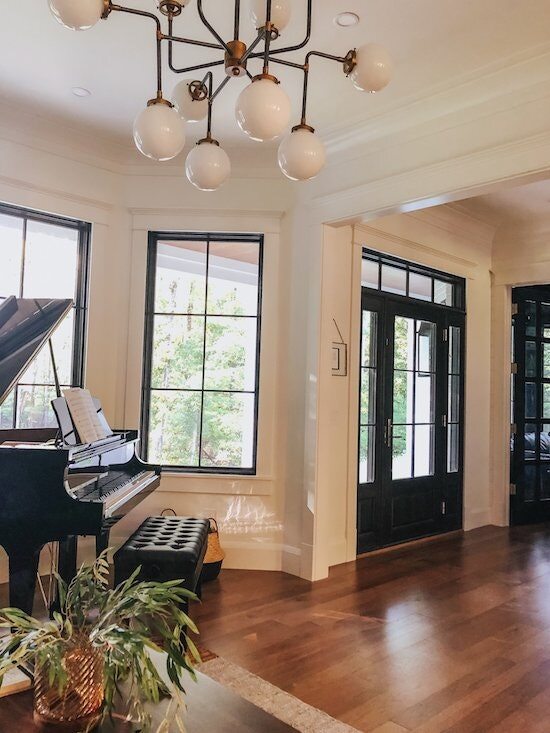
<point x="43" y="497"/>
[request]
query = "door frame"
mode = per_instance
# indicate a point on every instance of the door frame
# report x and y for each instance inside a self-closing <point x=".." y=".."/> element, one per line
<point x="385" y="304"/>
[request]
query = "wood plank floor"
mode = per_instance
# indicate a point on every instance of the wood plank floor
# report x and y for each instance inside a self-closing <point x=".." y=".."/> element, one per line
<point x="451" y="636"/>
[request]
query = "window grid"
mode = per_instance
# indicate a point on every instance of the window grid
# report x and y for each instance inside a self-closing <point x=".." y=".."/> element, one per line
<point x="208" y="238"/>
<point x="83" y="230"/>
<point x="446" y="284"/>
<point x="367" y="418"/>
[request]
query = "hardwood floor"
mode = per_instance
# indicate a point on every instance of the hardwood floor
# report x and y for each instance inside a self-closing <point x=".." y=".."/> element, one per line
<point x="451" y="636"/>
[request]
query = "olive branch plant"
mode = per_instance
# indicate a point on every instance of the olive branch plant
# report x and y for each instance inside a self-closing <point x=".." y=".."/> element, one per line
<point x="124" y="624"/>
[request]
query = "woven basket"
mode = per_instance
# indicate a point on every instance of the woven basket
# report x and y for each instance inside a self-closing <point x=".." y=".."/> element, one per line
<point x="214" y="553"/>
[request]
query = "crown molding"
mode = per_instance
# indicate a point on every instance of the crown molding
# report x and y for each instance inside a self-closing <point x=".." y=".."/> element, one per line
<point x="525" y="68"/>
<point x="469" y="267"/>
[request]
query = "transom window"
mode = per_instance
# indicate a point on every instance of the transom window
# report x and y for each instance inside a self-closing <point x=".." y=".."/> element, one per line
<point x="44" y="256"/>
<point x="391" y="275"/>
<point x="200" y="386"/>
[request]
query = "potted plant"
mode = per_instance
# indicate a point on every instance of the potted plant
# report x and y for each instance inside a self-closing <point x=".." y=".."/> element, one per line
<point x="102" y="640"/>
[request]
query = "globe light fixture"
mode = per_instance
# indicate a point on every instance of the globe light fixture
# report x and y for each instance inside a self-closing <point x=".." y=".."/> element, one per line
<point x="207" y="165"/>
<point x="263" y="108"/>
<point x="280" y="13"/>
<point x="159" y="131"/>
<point x="373" y="68"/>
<point x="77" y="15"/>
<point x="190" y="101"/>
<point x="301" y="154"/>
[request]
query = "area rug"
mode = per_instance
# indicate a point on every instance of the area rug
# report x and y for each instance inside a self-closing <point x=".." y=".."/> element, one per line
<point x="276" y="702"/>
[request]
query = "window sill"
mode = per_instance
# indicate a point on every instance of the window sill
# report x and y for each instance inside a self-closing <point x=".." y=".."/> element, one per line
<point x="201" y="483"/>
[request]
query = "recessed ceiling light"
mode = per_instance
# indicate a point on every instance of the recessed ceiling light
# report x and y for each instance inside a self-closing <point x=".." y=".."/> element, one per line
<point x="347" y="19"/>
<point x="81" y="92"/>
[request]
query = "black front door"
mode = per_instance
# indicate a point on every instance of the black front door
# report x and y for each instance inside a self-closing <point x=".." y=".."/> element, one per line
<point x="411" y="417"/>
<point x="530" y="444"/>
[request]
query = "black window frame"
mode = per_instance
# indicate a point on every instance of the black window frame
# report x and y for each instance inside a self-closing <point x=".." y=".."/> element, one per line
<point x="80" y="302"/>
<point x="154" y="237"/>
<point x="458" y="283"/>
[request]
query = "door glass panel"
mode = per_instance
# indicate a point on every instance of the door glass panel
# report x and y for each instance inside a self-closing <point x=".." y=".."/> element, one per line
<point x="531" y="359"/>
<point x="452" y="448"/>
<point x="530" y="399"/>
<point x="527" y="484"/>
<point x="424" y="398"/>
<point x="413" y="398"/>
<point x="402" y="451"/>
<point x="530" y="318"/>
<point x="367" y="408"/>
<point x="545" y="442"/>
<point x="404" y="343"/>
<point x="368" y="339"/>
<point x="423" y="450"/>
<point x="425" y="334"/>
<point x="394" y="280"/>
<point x="545" y="320"/>
<point x="546" y="361"/>
<point x="530" y="441"/>
<point x="546" y="400"/>
<point x="366" y="454"/>
<point x="453" y="406"/>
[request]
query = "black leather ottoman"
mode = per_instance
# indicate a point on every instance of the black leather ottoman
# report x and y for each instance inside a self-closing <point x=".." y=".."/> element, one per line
<point x="167" y="548"/>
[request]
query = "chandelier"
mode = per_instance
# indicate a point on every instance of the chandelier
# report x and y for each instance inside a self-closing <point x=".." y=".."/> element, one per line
<point x="263" y="109"/>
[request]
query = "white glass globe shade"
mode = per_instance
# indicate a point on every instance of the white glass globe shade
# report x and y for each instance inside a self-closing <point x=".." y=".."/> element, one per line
<point x="159" y="132"/>
<point x="207" y="166"/>
<point x="280" y="13"/>
<point x="374" y="68"/>
<point x="263" y="110"/>
<point x="78" y="15"/>
<point x="301" y="155"/>
<point x="192" y="110"/>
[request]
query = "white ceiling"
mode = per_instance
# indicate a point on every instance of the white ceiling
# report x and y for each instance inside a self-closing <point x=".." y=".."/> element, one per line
<point x="521" y="204"/>
<point x="435" y="44"/>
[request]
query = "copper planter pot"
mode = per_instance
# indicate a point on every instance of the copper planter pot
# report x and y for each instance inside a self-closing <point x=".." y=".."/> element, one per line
<point x="79" y="707"/>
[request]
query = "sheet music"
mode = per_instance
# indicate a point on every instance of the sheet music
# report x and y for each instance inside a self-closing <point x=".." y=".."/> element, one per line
<point x="84" y="415"/>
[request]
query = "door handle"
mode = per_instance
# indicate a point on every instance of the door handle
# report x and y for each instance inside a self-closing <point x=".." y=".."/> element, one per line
<point x="388" y="432"/>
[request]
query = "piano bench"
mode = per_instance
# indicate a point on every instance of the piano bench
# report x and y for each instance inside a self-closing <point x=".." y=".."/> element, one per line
<point x="166" y="548"/>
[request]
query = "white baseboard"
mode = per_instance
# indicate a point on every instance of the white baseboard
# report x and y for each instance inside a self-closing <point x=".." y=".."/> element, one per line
<point x="477" y="518"/>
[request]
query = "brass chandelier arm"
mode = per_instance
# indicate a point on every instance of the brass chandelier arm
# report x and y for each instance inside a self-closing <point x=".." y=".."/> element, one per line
<point x="297" y="47"/>
<point x="212" y="30"/>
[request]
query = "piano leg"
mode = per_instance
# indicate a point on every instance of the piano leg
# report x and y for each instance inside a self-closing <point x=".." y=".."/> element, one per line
<point x="67" y="558"/>
<point x="23" y="567"/>
<point x="102" y="541"/>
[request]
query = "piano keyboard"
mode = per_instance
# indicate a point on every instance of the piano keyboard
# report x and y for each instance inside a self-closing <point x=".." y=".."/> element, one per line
<point x="114" y="489"/>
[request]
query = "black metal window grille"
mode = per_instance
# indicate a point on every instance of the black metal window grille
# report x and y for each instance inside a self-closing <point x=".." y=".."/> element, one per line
<point x="181" y="409"/>
<point x="34" y="263"/>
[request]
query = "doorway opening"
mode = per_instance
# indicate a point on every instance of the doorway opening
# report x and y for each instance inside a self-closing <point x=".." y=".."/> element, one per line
<point x="411" y="414"/>
<point x="530" y="443"/>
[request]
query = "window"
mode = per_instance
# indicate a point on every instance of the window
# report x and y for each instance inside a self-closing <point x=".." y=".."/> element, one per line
<point x="44" y="256"/>
<point x="202" y="339"/>
<point x="392" y="275"/>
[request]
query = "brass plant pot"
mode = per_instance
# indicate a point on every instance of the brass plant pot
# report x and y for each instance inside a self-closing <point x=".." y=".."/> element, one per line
<point x="78" y="708"/>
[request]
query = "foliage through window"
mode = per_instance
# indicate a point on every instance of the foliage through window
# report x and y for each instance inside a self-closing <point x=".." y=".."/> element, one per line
<point x="44" y="256"/>
<point x="200" y="397"/>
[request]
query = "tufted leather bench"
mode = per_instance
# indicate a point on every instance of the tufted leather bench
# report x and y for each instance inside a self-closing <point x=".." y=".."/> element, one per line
<point x="167" y="548"/>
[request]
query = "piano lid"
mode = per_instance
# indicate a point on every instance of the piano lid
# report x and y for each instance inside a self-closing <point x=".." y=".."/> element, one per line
<point x="25" y="326"/>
